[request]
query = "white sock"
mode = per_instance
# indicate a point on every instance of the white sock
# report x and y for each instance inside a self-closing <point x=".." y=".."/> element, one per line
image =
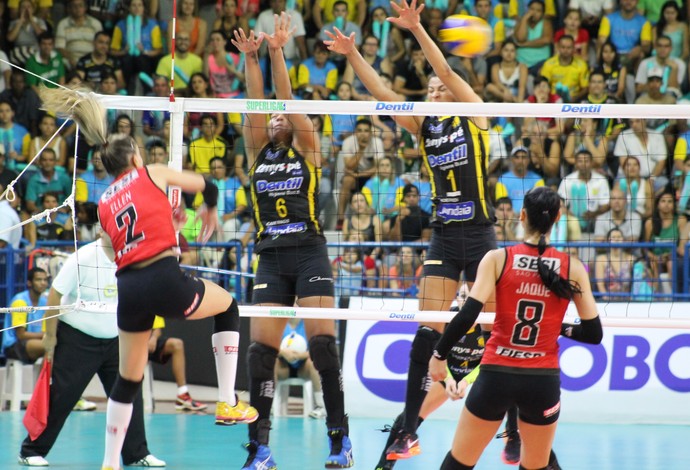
<point x="182" y="390"/>
<point x="117" y="419"/>
<point x="318" y="400"/>
<point x="225" y="348"/>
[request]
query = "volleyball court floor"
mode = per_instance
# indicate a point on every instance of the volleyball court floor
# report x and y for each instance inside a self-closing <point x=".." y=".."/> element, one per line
<point x="191" y="442"/>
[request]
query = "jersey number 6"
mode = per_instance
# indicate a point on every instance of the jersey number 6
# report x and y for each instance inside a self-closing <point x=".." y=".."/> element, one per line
<point x="127" y="217"/>
<point x="281" y="208"/>
<point x="526" y="330"/>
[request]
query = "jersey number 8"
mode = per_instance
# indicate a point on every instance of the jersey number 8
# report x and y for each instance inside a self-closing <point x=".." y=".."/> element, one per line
<point x="526" y="330"/>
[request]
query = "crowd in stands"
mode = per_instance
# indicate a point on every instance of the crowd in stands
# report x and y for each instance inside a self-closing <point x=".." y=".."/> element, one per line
<point x="621" y="180"/>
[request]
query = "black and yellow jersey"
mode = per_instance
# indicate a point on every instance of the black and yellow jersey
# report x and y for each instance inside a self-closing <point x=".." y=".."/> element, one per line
<point x="285" y="194"/>
<point x="456" y="153"/>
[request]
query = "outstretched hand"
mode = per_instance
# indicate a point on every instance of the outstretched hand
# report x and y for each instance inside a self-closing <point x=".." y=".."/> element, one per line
<point x="209" y="223"/>
<point x="339" y="43"/>
<point x="248" y="45"/>
<point x="282" y="33"/>
<point x="408" y="14"/>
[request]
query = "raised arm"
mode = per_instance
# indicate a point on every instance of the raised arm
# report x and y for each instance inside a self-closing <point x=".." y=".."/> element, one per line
<point x="409" y="18"/>
<point x="254" y="128"/>
<point x="341" y="44"/>
<point x="305" y="139"/>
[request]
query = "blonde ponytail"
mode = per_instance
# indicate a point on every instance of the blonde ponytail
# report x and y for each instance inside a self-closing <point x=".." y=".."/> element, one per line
<point x="81" y="105"/>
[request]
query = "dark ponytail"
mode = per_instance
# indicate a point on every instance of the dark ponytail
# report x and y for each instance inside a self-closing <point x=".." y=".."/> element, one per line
<point x="542" y="205"/>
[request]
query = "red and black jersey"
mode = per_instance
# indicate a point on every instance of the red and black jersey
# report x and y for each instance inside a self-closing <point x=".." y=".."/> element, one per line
<point x="136" y="215"/>
<point x="528" y="315"/>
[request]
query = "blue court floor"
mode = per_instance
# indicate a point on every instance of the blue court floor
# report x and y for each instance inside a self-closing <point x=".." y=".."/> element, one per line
<point x="189" y="442"/>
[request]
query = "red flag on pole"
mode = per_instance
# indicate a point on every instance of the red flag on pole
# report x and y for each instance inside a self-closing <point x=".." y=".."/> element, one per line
<point x="36" y="416"/>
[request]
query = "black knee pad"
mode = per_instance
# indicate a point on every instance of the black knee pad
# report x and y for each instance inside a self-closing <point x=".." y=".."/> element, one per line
<point x="261" y="361"/>
<point x="125" y="391"/>
<point x="423" y="344"/>
<point x="228" y="320"/>
<point x="324" y="353"/>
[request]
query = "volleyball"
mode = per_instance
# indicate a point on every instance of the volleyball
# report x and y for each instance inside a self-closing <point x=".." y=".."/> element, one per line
<point x="465" y="36"/>
<point x="295" y="342"/>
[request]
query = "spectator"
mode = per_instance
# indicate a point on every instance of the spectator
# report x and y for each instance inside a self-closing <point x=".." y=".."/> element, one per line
<point x="484" y="10"/>
<point x="47" y="129"/>
<point x="533" y="36"/>
<point x="614" y="72"/>
<point x="74" y="34"/>
<point x="671" y="70"/>
<point x="586" y="192"/>
<point x="23" y="33"/>
<point x="46" y="180"/>
<point x="614" y="269"/>
<point x="390" y="39"/>
<point x="519" y="179"/>
<point x="232" y="199"/>
<point x="349" y="273"/>
<point x="607" y="127"/>
<point x="340" y="12"/>
<point x="670" y="24"/>
<point x="628" y="222"/>
<point x="340" y="126"/>
<point x="384" y="193"/>
<point x="412" y="75"/>
<point x="157" y="152"/>
<point x="295" y="362"/>
<point x="191" y="23"/>
<point x="91" y="184"/>
<point x="296" y="48"/>
<point x="161" y="350"/>
<point x="12" y="136"/>
<point x="94" y="65"/>
<point x="629" y="31"/>
<point x="56" y="226"/>
<point x="654" y="95"/>
<point x="638" y="190"/>
<point x="508" y="77"/>
<point x="566" y="229"/>
<point x="508" y="223"/>
<point x="207" y="146"/>
<point x="323" y="12"/>
<point x="230" y="21"/>
<point x="223" y="68"/>
<point x="88" y="227"/>
<point x="567" y="73"/>
<point x="585" y="136"/>
<point x="186" y="63"/>
<point x="108" y="86"/>
<point x="8" y="176"/>
<point x="317" y="76"/>
<point x="404" y="274"/>
<point x="518" y="8"/>
<point x="46" y="67"/>
<point x="153" y="122"/>
<point x="665" y="225"/>
<point x="652" y="9"/>
<point x="544" y="151"/>
<point x="362" y="220"/>
<point x="140" y="46"/>
<point x="572" y="27"/>
<point x="200" y="87"/>
<point x="649" y="146"/>
<point x="592" y="11"/>
<point x="358" y="159"/>
<point x="542" y="94"/>
<point x="10" y="230"/>
<point x="24" y="102"/>
<point x="5" y="71"/>
<point x="108" y="13"/>
<point x="23" y="333"/>
<point x="125" y="125"/>
<point x="411" y="224"/>
<point x="41" y="7"/>
<point x="424" y="186"/>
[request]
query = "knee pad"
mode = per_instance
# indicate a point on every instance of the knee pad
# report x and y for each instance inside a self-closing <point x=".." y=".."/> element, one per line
<point x="423" y="344"/>
<point x="324" y="353"/>
<point x="261" y="361"/>
<point x="125" y="391"/>
<point x="228" y="320"/>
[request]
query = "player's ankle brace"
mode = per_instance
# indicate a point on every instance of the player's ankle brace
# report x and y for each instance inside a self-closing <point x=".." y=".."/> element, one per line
<point x="449" y="463"/>
<point x="228" y="320"/>
<point x="125" y="391"/>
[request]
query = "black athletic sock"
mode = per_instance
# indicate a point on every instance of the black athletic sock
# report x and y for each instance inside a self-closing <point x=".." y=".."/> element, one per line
<point x="511" y="420"/>
<point x="417" y="385"/>
<point x="262" y="403"/>
<point x="449" y="463"/>
<point x="333" y="397"/>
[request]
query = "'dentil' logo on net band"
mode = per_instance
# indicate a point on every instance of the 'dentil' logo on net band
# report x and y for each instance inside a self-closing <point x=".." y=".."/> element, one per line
<point x="591" y="109"/>
<point x="395" y="107"/>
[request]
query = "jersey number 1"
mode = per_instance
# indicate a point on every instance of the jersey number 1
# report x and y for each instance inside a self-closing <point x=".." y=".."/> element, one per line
<point x="127" y="217"/>
<point x="526" y="330"/>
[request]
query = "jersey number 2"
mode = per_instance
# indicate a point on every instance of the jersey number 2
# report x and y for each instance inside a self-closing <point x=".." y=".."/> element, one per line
<point x="529" y="314"/>
<point x="127" y="217"/>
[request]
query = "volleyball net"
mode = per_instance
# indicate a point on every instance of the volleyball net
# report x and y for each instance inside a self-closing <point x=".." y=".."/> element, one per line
<point x="599" y="158"/>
